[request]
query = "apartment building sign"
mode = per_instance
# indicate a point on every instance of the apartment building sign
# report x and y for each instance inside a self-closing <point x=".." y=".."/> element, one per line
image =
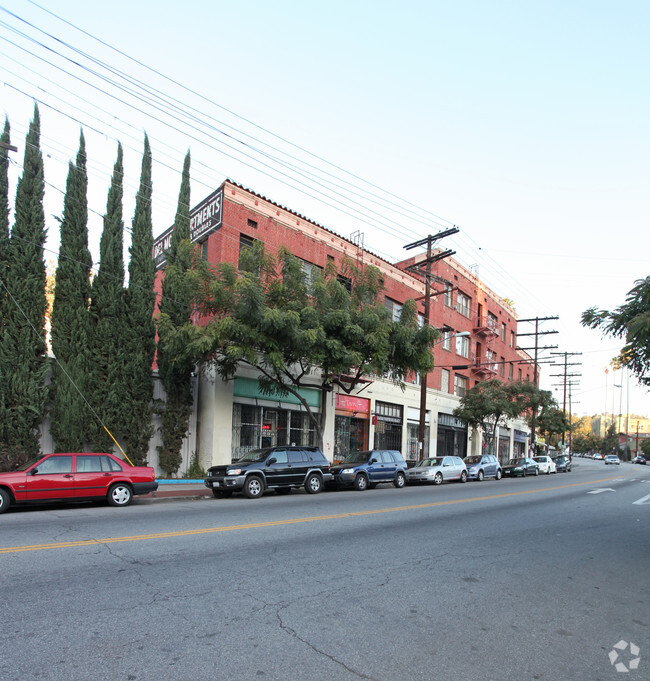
<point x="204" y="219"/>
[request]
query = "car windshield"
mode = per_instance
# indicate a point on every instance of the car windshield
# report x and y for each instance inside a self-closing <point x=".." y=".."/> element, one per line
<point x="357" y="457"/>
<point x="539" y="458"/>
<point x="31" y="462"/>
<point x="473" y="459"/>
<point x="430" y="462"/>
<point x="255" y="455"/>
<point x="516" y="462"/>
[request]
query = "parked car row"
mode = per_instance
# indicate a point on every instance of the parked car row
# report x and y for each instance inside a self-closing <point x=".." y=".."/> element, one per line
<point x="286" y="467"/>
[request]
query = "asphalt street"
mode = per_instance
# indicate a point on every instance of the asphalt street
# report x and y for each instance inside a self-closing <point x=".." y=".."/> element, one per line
<point x="535" y="578"/>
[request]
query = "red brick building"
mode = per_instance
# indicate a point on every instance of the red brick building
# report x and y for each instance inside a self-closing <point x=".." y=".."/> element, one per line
<point x="232" y="417"/>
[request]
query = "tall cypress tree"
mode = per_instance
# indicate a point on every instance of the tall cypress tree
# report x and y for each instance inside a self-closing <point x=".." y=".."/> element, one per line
<point x="23" y="359"/>
<point x="4" y="208"/>
<point x="106" y="392"/>
<point x="4" y="263"/>
<point x="177" y="304"/>
<point x="141" y="338"/>
<point x="70" y="322"/>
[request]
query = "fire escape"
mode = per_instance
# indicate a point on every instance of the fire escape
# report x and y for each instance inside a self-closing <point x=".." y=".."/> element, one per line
<point x="486" y="332"/>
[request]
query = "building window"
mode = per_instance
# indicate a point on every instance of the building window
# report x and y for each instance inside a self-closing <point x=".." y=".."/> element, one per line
<point x="345" y="282"/>
<point x="252" y="224"/>
<point x="204" y="250"/>
<point x="502" y="367"/>
<point x="504" y="332"/>
<point x="447" y="333"/>
<point x="519" y="376"/>
<point x="512" y="339"/>
<point x="245" y="246"/>
<point x="449" y="299"/>
<point x="416" y="379"/>
<point x="460" y="385"/>
<point x="311" y="272"/>
<point x="395" y="309"/>
<point x="493" y="322"/>
<point x="464" y="304"/>
<point x="462" y="346"/>
<point x="510" y="371"/>
<point x="444" y="381"/>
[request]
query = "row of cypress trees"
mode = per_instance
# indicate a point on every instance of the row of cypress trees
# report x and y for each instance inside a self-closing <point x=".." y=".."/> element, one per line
<point x="103" y="335"/>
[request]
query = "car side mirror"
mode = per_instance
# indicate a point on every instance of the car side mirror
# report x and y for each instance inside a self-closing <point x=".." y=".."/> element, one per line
<point x="33" y="471"/>
<point x="271" y="460"/>
<point x="373" y="460"/>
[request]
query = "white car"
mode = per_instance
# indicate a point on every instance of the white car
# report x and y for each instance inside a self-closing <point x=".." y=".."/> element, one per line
<point x="546" y="464"/>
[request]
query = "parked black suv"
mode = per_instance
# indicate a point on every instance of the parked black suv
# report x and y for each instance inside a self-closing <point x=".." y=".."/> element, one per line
<point x="279" y="468"/>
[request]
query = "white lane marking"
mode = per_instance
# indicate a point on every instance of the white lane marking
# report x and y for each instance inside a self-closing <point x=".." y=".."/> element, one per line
<point x="643" y="500"/>
<point x="598" y="491"/>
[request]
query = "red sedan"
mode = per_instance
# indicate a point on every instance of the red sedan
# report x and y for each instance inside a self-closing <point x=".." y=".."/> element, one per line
<point x="63" y="477"/>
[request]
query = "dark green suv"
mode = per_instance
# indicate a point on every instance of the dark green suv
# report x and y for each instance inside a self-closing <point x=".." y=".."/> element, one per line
<point x="280" y="468"/>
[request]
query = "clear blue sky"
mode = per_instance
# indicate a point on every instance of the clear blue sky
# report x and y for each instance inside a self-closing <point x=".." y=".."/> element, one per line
<point x="526" y="124"/>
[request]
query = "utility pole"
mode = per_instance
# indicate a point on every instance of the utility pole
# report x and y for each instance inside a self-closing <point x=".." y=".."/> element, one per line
<point x="417" y="268"/>
<point x="536" y="348"/>
<point x="566" y="375"/>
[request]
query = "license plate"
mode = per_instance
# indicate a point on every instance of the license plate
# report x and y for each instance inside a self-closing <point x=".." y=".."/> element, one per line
<point x="215" y="484"/>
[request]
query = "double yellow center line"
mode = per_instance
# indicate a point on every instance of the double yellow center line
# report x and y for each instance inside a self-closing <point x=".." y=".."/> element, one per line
<point x="279" y="523"/>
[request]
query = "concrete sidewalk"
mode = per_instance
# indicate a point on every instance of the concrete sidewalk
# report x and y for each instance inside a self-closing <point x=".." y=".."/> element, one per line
<point x="168" y="489"/>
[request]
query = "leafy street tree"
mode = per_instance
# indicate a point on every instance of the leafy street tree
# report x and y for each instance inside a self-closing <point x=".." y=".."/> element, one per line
<point x="298" y="334"/>
<point x="631" y="322"/>
<point x="645" y="447"/>
<point x="70" y="414"/>
<point x="23" y="359"/>
<point x="489" y="405"/>
<point x="176" y="308"/>
<point x="549" y="420"/>
<point x="553" y="423"/>
<point x="107" y="391"/>
<point x="140" y="332"/>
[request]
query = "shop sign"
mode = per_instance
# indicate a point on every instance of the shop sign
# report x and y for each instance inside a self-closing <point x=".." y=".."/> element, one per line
<point x="360" y="405"/>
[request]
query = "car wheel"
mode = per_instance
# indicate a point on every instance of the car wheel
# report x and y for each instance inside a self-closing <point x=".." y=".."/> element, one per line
<point x="536" y="471"/>
<point x="498" y="475"/>
<point x="463" y="476"/>
<point x="314" y="483"/>
<point x="120" y="495"/>
<point x="221" y="493"/>
<point x="523" y="475"/>
<point x="400" y="480"/>
<point x="4" y="501"/>
<point x="361" y="482"/>
<point x="437" y="480"/>
<point x="253" y="487"/>
<point x="480" y="476"/>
